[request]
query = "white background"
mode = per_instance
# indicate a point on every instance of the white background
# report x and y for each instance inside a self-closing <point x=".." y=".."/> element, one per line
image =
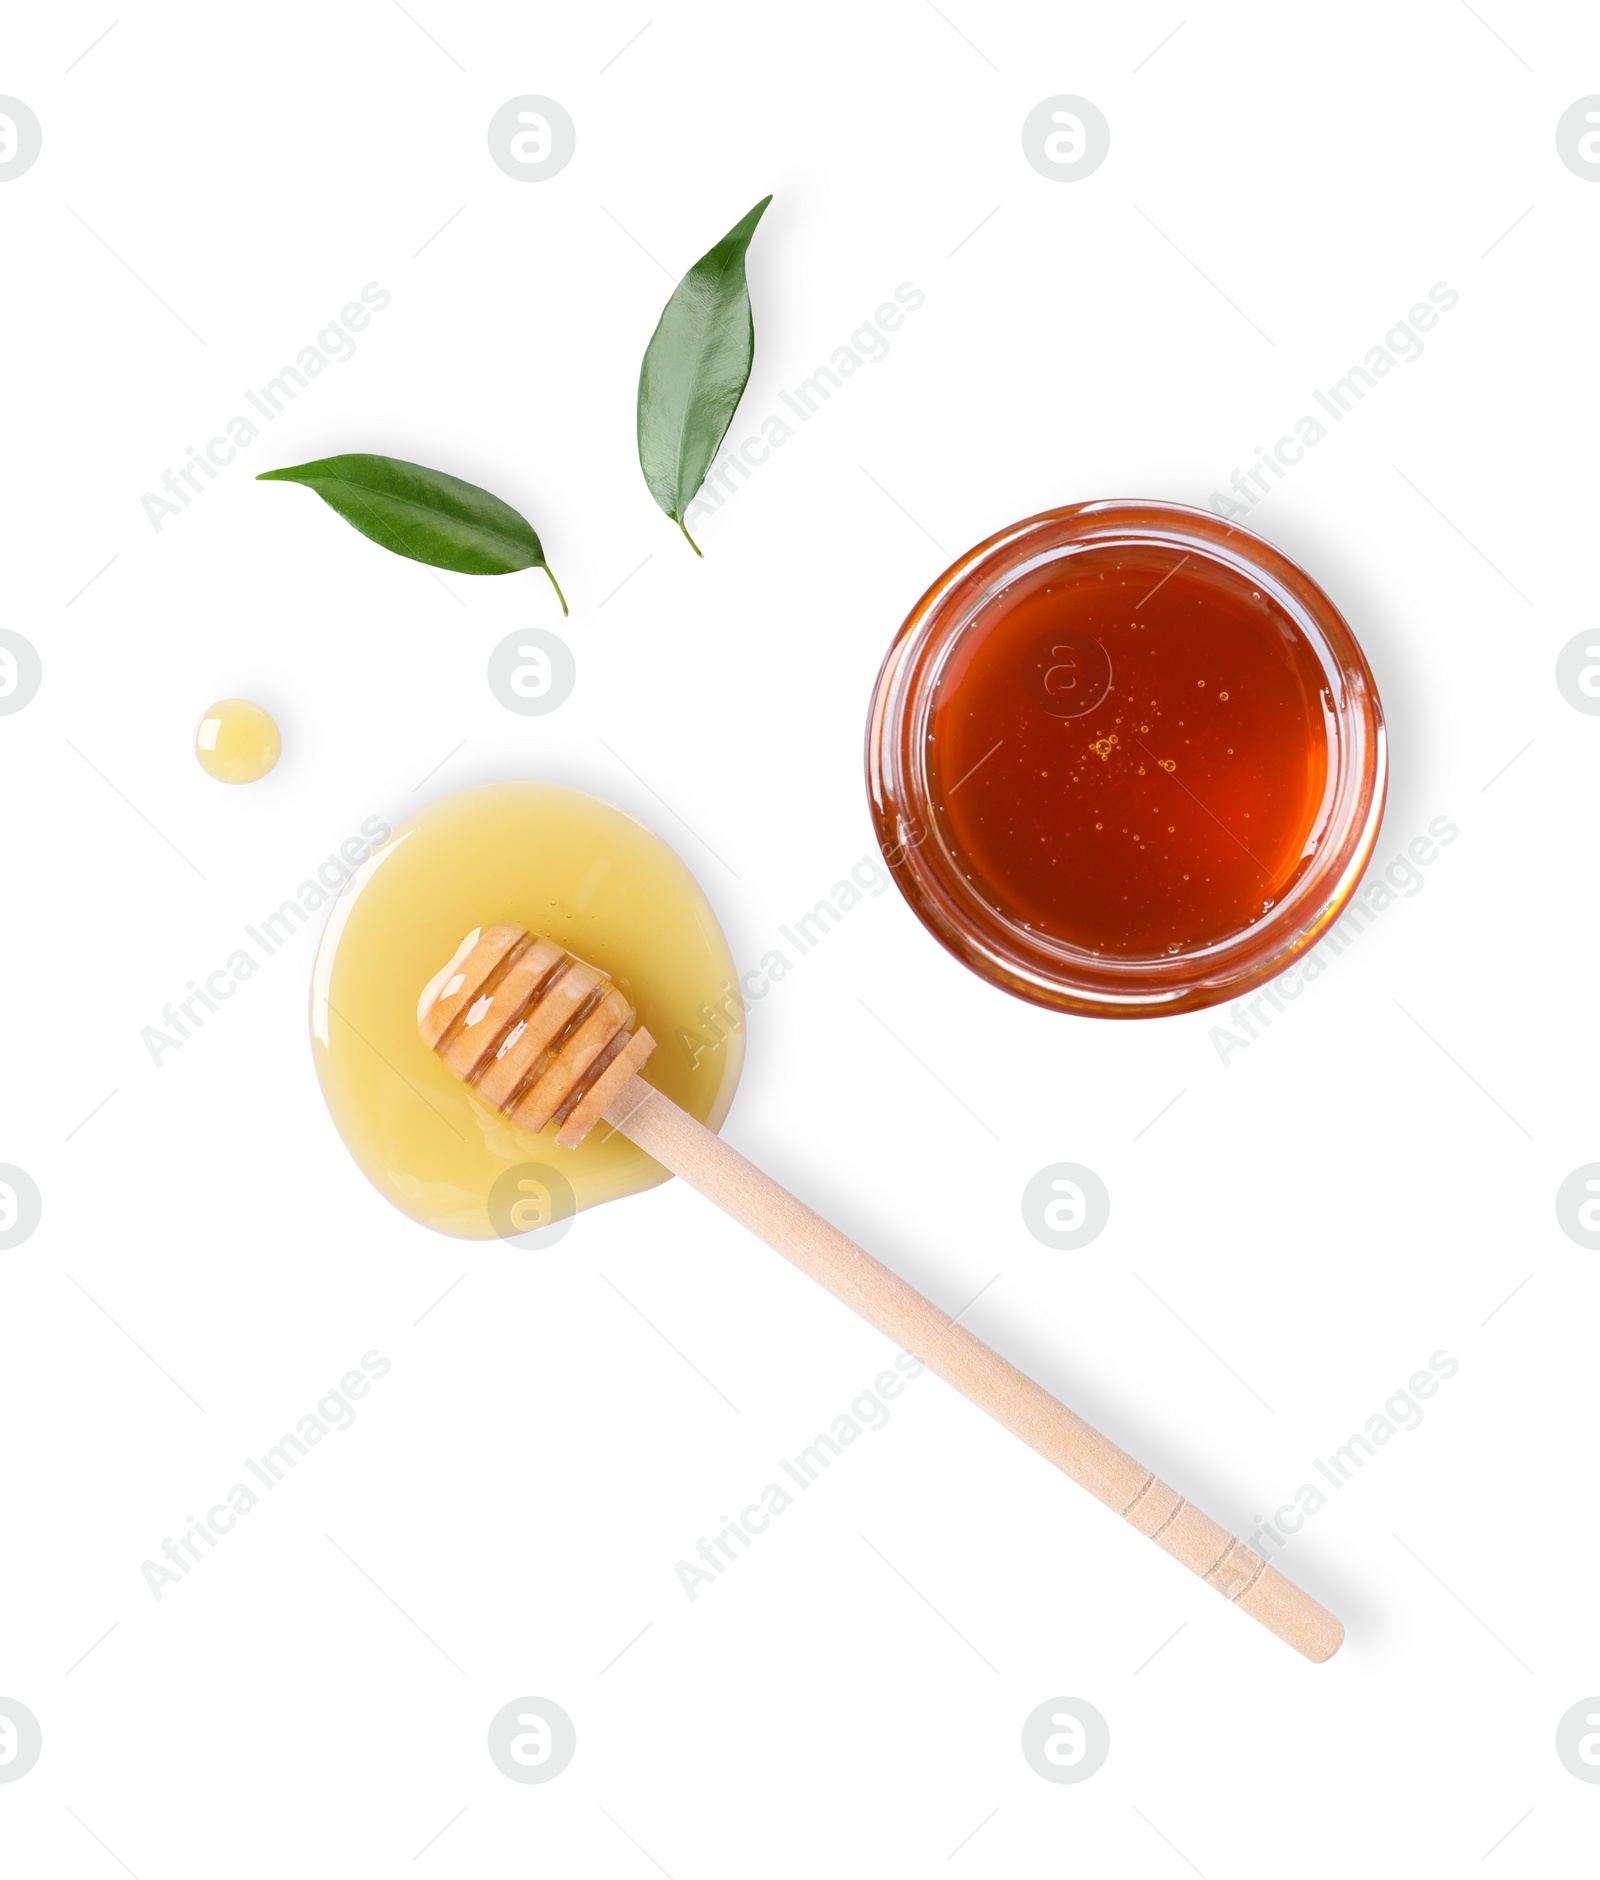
<point x="1361" y="1187"/>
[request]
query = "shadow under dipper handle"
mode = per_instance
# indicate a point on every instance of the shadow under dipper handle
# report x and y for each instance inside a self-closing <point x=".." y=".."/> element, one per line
<point x="701" y="1158"/>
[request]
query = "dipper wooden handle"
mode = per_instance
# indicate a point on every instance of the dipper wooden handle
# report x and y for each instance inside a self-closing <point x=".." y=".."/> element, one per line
<point x="504" y="988"/>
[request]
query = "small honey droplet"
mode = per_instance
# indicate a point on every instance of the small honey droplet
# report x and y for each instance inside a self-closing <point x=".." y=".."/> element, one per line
<point x="237" y="741"/>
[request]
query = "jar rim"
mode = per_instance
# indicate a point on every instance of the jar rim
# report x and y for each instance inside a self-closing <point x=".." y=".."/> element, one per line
<point x="1037" y="966"/>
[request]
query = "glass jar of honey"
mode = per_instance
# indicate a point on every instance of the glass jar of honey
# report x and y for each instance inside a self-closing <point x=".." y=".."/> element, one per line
<point x="1126" y="758"/>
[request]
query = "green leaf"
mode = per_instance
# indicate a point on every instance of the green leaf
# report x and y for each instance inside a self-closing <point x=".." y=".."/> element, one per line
<point x="695" y="370"/>
<point x="423" y="514"/>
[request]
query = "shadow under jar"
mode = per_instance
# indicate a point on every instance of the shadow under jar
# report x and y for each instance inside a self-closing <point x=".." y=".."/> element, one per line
<point x="1126" y="759"/>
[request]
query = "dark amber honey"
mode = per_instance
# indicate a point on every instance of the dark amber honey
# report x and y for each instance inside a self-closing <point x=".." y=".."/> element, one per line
<point x="1126" y="758"/>
<point x="1129" y="752"/>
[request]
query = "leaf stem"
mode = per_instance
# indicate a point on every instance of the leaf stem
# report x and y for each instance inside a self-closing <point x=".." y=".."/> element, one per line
<point x="566" y="611"/>
<point x="688" y="537"/>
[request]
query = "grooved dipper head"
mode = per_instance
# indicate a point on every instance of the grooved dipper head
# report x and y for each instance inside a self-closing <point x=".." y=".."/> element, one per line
<point x="537" y="1033"/>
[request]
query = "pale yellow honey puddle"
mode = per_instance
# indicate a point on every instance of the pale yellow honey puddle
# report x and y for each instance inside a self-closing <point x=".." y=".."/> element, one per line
<point x="561" y="863"/>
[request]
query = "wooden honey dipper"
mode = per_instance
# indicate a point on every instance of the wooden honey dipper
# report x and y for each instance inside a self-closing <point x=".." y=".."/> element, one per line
<point x="543" y="1037"/>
